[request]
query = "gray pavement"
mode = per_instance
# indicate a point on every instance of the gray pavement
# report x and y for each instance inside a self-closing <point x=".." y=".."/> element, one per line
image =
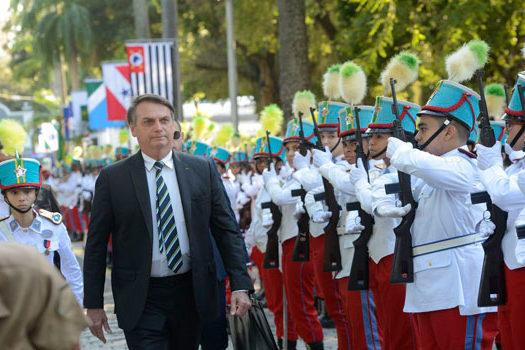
<point x="116" y="340"/>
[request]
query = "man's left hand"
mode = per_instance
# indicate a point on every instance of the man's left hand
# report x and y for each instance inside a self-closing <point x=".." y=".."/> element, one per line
<point x="240" y="303"/>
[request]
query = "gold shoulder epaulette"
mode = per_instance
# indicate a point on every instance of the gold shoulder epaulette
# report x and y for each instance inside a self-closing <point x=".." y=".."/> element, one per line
<point x="5" y="218"/>
<point x="55" y="218"/>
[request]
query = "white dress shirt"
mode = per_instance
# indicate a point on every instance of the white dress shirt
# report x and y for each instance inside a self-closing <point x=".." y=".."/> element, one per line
<point x="159" y="263"/>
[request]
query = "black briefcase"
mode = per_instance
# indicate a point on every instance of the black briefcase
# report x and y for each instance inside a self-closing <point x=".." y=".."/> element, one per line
<point x="252" y="331"/>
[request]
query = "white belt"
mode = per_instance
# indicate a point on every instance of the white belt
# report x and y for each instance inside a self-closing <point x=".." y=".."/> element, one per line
<point x="341" y="231"/>
<point x="446" y="244"/>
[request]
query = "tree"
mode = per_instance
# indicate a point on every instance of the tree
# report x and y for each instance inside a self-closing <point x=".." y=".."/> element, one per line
<point x="293" y="52"/>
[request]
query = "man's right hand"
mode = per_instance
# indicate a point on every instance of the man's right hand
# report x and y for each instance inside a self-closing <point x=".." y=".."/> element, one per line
<point x="98" y="320"/>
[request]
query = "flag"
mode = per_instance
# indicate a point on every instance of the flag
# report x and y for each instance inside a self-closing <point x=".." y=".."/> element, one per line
<point x="78" y="99"/>
<point x="97" y="108"/>
<point x="66" y="112"/>
<point x="151" y="68"/>
<point x="47" y="138"/>
<point x="118" y="90"/>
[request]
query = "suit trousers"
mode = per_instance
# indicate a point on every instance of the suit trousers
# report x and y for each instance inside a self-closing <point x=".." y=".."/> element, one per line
<point x="169" y="320"/>
<point x="214" y="335"/>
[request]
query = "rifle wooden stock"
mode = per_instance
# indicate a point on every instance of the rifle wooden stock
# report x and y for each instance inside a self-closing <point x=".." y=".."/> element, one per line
<point x="301" y="250"/>
<point x="331" y="254"/>
<point x="271" y="257"/>
<point x="358" y="279"/>
<point x="492" y="283"/>
<point x="402" y="263"/>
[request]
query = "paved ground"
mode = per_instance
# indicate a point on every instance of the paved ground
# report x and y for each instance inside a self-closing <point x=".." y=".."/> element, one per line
<point x="116" y="341"/>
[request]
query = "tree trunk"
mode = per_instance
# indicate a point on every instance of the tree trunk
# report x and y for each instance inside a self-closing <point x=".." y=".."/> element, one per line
<point x="140" y="14"/>
<point x="294" y="72"/>
<point x="75" y="76"/>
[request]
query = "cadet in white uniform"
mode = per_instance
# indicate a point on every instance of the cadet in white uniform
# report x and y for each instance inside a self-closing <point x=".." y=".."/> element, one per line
<point x="20" y="180"/>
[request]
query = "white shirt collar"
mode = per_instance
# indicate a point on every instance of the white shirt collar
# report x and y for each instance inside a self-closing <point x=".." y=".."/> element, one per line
<point x="150" y="162"/>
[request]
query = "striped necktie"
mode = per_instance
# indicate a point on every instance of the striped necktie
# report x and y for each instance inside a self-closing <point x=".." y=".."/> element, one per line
<point x="168" y="238"/>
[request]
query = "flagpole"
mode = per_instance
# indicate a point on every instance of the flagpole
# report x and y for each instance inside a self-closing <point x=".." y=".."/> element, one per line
<point x="232" y="64"/>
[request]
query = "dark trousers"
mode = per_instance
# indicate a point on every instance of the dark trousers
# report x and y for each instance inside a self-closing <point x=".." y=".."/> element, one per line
<point x="214" y="335"/>
<point x="169" y="320"/>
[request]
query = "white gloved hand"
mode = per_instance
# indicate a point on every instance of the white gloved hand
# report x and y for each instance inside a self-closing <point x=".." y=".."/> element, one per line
<point x="321" y="158"/>
<point x="521" y="181"/>
<point x="242" y="200"/>
<point x="391" y="211"/>
<point x="285" y="172"/>
<point x="244" y="178"/>
<point x="269" y="174"/>
<point x="394" y="145"/>
<point x="520" y="246"/>
<point x="353" y="224"/>
<point x="300" y="161"/>
<point x="489" y="156"/>
<point x="358" y="173"/>
<point x="267" y="220"/>
<point x="321" y="216"/>
<point x="299" y="210"/>
<point x="513" y="155"/>
<point x="486" y="228"/>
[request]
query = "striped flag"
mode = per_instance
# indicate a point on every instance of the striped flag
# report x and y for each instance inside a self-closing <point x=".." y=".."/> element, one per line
<point x="151" y="68"/>
<point x="97" y="107"/>
<point x="118" y="89"/>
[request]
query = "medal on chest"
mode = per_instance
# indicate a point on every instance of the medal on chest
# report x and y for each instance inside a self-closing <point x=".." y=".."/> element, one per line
<point x="47" y="244"/>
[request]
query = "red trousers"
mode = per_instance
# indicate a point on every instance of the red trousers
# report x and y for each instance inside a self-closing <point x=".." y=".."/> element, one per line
<point x="448" y="330"/>
<point x="258" y="258"/>
<point x="360" y="310"/>
<point x="299" y="287"/>
<point x="273" y="289"/>
<point x="396" y="329"/>
<point x="330" y="292"/>
<point x="511" y="316"/>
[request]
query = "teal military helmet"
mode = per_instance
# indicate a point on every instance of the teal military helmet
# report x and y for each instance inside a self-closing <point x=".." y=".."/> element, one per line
<point x="239" y="157"/>
<point x="20" y="173"/>
<point x="347" y="121"/>
<point x="293" y="131"/>
<point x="197" y="148"/>
<point x="515" y="111"/>
<point x="383" y="118"/>
<point x="261" y="148"/>
<point x="328" y="115"/>
<point x="220" y="155"/>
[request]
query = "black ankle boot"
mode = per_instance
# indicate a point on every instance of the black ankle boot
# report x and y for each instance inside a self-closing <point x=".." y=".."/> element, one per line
<point x="292" y="345"/>
<point x="315" y="346"/>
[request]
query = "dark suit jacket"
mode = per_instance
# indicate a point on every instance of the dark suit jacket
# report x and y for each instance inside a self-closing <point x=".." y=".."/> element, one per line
<point x="121" y="207"/>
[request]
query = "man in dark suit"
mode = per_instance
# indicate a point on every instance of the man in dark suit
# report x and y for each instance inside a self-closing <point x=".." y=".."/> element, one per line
<point x="160" y="207"/>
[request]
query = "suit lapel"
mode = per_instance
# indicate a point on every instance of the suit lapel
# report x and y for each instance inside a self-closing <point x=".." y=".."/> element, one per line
<point x="140" y="183"/>
<point x="183" y="180"/>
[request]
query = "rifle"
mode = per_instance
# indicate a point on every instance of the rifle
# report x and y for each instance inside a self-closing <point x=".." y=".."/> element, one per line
<point x="492" y="283"/>
<point x="506" y="89"/>
<point x="332" y="254"/>
<point x="271" y="257"/>
<point x="358" y="279"/>
<point x="402" y="264"/>
<point x="301" y="250"/>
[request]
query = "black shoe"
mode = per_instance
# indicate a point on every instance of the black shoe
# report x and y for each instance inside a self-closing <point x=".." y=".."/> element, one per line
<point x="326" y="322"/>
<point x="315" y="346"/>
<point x="292" y="345"/>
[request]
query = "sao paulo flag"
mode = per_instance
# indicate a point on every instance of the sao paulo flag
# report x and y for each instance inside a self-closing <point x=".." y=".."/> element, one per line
<point x="118" y="89"/>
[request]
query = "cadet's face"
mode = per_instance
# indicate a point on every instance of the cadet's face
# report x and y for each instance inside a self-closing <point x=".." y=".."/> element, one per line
<point x="261" y="164"/>
<point x="291" y="148"/>
<point x="330" y="139"/>
<point x="21" y="198"/>
<point x="378" y="142"/>
<point x="427" y="126"/>
<point x="235" y="168"/>
<point x="349" y="150"/>
<point x="512" y="129"/>
<point x="153" y="128"/>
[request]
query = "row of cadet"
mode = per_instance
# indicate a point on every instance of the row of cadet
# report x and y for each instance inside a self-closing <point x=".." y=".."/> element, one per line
<point x="378" y="211"/>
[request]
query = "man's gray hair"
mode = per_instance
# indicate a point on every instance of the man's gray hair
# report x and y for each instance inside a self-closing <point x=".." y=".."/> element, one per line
<point x="132" y="110"/>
